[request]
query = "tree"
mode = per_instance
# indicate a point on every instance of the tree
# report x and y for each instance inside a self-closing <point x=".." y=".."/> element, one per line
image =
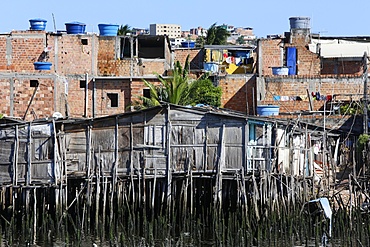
<point x="124" y="29"/>
<point x="204" y="92"/>
<point x="179" y="89"/>
<point x="200" y="41"/>
<point x="174" y="90"/>
<point x="217" y="35"/>
<point x="240" y="40"/>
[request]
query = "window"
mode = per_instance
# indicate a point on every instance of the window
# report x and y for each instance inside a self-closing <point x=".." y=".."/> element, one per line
<point x="146" y="93"/>
<point x="34" y="83"/>
<point x="83" y="84"/>
<point x="112" y="99"/>
<point x="84" y="41"/>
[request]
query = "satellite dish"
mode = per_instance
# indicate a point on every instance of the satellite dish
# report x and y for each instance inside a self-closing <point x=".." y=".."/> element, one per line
<point x="57" y="115"/>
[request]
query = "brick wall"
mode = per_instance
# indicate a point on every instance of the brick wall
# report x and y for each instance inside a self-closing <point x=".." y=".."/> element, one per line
<point x="74" y="54"/>
<point x="335" y="67"/>
<point x="108" y="65"/>
<point x="102" y="101"/>
<point x="237" y="92"/>
<point x="3" y="62"/>
<point x="196" y="57"/>
<point x="272" y="55"/>
<point x="31" y="102"/>
<point x="270" y="52"/>
<point x="20" y="50"/>
<point x="308" y="63"/>
<point x="284" y="91"/>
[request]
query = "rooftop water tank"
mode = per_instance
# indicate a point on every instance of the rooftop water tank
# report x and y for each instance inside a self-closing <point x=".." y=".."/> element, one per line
<point x="38" y="24"/>
<point x="75" y="27"/>
<point x="108" y="29"/>
<point x="188" y="44"/>
<point x="299" y="22"/>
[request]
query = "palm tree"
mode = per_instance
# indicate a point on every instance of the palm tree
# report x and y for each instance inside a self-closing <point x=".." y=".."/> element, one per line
<point x="217" y="35"/>
<point x="124" y="29"/>
<point x="174" y="90"/>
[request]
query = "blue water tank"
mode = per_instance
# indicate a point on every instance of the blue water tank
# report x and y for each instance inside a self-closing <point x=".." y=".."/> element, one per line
<point x="38" y="24"/>
<point x="42" y="65"/>
<point x="108" y="29"/>
<point x="75" y="27"/>
<point x="188" y="44"/>
<point x="268" y="110"/>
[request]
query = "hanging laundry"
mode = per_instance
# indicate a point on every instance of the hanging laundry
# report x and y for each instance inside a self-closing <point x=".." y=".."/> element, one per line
<point x="303" y="97"/>
<point x="284" y="98"/>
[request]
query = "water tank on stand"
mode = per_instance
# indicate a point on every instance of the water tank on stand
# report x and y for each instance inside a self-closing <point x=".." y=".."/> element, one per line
<point x="299" y="22"/>
<point x="300" y="25"/>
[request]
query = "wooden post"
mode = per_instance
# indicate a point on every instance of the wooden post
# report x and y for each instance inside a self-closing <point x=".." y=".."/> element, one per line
<point x="86" y="95"/>
<point x="15" y="156"/>
<point x="34" y="215"/>
<point x="55" y="155"/>
<point x="168" y="152"/>
<point x="15" y="168"/>
<point x="132" y="164"/>
<point x="365" y="75"/>
<point x="220" y="166"/>
<point x="365" y="120"/>
<point x="29" y="155"/>
<point x="114" y="171"/>
<point x="154" y="188"/>
<point x="97" y="196"/>
<point x="88" y="163"/>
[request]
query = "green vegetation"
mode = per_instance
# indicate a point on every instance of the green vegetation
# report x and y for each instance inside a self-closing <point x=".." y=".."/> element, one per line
<point x="240" y="40"/>
<point x="217" y="35"/>
<point x="204" y="92"/>
<point x="351" y="109"/>
<point x="180" y="89"/>
<point x="124" y="29"/>
<point x="1" y="116"/>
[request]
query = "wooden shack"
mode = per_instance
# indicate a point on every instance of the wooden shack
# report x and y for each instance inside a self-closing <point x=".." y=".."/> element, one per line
<point x="163" y="155"/>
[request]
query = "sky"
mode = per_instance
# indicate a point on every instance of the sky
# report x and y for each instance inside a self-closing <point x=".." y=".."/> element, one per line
<point x="266" y="17"/>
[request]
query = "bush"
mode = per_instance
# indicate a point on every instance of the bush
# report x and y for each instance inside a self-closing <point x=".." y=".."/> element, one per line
<point x="204" y="92"/>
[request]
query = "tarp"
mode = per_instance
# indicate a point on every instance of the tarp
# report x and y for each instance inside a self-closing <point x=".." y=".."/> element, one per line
<point x="291" y="60"/>
<point x="339" y="48"/>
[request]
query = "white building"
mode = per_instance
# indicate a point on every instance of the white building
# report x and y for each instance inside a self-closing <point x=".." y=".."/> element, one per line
<point x="171" y="30"/>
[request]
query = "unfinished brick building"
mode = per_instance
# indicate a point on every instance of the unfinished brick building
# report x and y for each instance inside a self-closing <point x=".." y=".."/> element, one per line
<point x="301" y="71"/>
<point x="92" y="75"/>
<point x="110" y="68"/>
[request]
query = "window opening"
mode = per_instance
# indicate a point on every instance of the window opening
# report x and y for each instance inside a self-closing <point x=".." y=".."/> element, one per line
<point x="113" y="99"/>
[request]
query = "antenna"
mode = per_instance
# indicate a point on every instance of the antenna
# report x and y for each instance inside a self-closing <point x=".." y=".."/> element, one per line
<point x="55" y="27"/>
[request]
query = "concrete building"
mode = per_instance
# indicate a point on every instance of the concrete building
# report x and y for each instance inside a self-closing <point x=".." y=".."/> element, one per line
<point x="171" y="30"/>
